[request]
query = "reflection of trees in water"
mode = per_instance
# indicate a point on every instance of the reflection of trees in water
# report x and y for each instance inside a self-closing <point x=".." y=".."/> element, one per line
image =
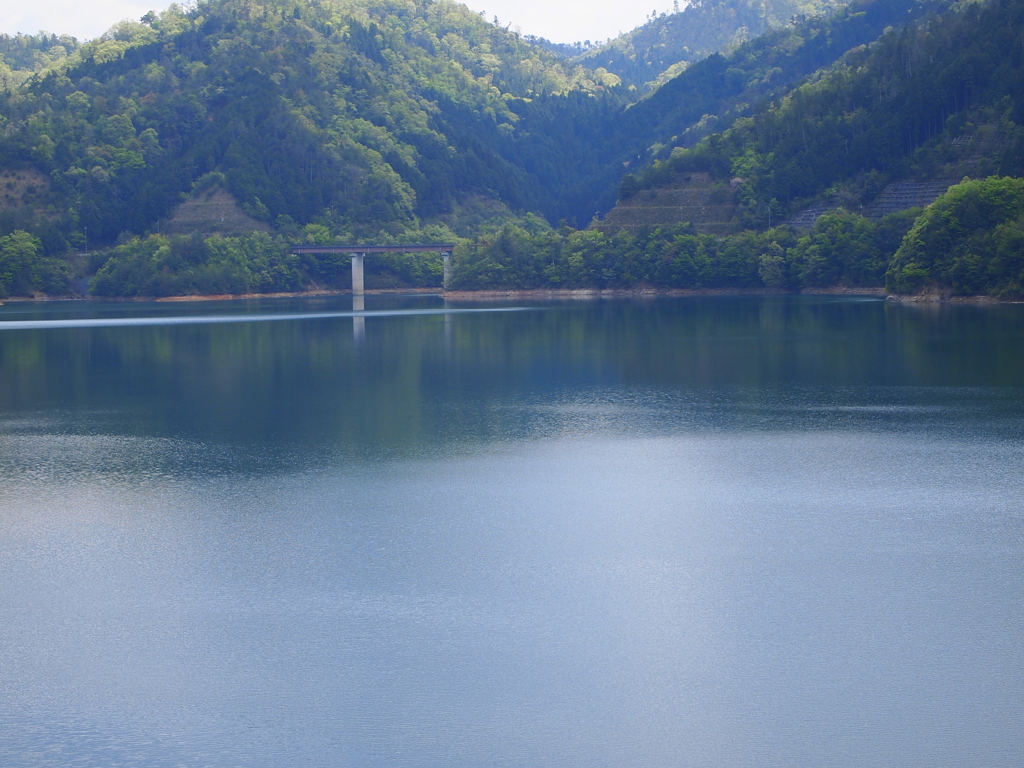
<point x="308" y="383"/>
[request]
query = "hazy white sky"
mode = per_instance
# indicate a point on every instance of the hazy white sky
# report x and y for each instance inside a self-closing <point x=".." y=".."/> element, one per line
<point x="564" y="21"/>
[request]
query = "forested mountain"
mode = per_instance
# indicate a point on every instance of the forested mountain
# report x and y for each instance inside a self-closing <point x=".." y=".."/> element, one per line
<point x="707" y="97"/>
<point x="357" y="114"/>
<point x="660" y="49"/>
<point x="915" y="103"/>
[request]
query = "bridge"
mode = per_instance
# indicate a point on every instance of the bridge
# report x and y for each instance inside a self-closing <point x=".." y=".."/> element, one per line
<point x="358" y="252"/>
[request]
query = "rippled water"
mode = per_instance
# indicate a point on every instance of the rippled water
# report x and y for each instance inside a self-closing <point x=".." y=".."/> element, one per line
<point x="677" y="532"/>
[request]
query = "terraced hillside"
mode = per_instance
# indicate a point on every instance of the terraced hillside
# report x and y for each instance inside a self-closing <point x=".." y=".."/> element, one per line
<point x="708" y="205"/>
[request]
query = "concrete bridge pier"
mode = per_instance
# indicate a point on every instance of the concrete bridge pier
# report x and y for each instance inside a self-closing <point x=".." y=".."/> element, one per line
<point x="357" y="274"/>
<point x="447" y="257"/>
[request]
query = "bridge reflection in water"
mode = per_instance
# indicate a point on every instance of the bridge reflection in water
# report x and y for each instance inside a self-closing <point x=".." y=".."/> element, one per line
<point x="358" y="322"/>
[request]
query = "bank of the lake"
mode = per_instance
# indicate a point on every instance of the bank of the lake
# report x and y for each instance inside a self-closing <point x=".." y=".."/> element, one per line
<point x="543" y="294"/>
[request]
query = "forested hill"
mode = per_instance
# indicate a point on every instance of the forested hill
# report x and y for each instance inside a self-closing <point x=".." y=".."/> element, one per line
<point x="927" y="101"/>
<point x="660" y="49"/>
<point x="356" y="113"/>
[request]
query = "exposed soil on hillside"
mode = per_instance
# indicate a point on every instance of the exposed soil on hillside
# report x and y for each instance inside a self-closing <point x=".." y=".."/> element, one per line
<point x="213" y="212"/>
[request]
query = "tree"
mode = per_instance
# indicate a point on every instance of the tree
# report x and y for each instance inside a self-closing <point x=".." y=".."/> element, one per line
<point x="968" y="242"/>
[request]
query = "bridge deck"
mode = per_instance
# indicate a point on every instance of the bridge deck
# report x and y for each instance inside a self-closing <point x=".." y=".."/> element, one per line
<point x="436" y="247"/>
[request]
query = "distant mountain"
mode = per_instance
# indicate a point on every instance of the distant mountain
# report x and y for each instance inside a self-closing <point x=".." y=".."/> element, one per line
<point x="580" y="147"/>
<point x="659" y="49"/>
<point x="938" y="99"/>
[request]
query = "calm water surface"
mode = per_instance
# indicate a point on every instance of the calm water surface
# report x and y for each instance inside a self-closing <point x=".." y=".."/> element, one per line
<point x="758" y="531"/>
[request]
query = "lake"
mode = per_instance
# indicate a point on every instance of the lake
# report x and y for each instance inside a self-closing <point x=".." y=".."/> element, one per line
<point x="697" y="531"/>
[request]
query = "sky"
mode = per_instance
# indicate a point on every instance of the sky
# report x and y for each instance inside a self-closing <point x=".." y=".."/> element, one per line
<point x="563" y="21"/>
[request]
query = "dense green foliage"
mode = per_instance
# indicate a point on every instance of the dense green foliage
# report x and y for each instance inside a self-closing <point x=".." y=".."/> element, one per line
<point x="969" y="242"/>
<point x="843" y="249"/>
<point x="35" y="52"/>
<point x="257" y="263"/>
<point x="24" y="270"/>
<point x="162" y="266"/>
<point x="21" y="55"/>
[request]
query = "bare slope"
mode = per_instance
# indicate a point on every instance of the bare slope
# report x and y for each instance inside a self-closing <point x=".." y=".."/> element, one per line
<point x="695" y="199"/>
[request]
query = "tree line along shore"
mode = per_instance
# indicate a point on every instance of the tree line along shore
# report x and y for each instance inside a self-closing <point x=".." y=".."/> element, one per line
<point x="970" y="242"/>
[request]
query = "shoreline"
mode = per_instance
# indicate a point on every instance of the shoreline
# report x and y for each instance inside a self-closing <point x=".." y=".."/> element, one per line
<point x="225" y="296"/>
<point x="286" y="294"/>
<point x="599" y="293"/>
<point x="931" y="297"/>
